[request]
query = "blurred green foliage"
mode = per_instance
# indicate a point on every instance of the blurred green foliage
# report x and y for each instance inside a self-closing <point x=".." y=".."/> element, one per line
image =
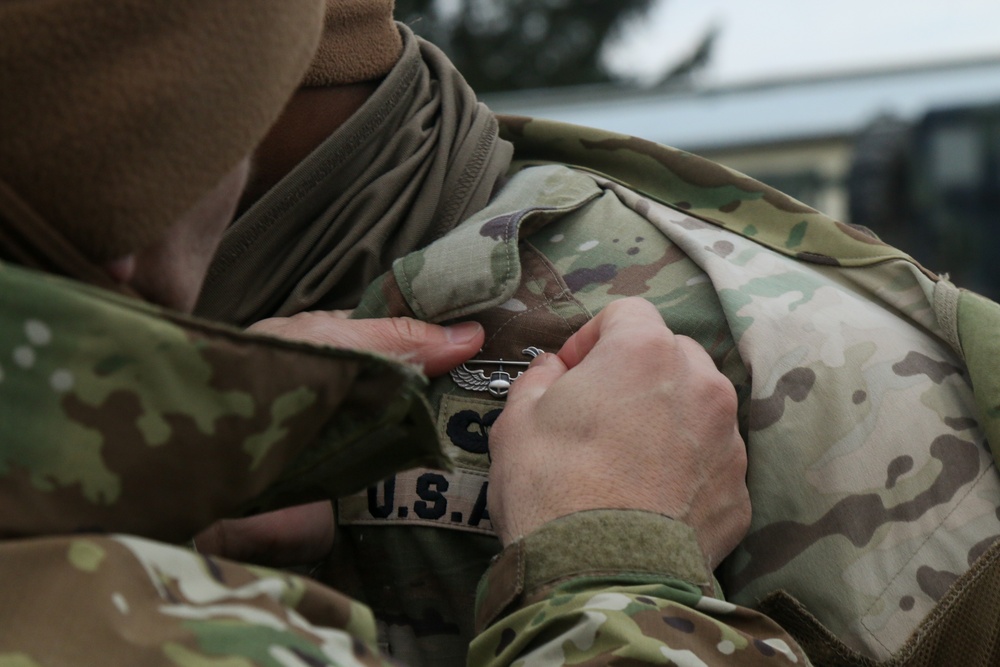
<point x="517" y="44"/>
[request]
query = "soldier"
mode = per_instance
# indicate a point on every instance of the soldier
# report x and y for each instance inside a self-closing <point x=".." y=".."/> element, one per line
<point x="126" y="425"/>
<point x="863" y="379"/>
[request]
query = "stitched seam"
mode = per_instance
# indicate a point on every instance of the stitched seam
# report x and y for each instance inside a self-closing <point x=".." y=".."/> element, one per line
<point x="935" y="530"/>
<point x="487" y="616"/>
<point x="614" y="183"/>
<point x="563" y="293"/>
<point x="949" y="317"/>
<point x="471" y="176"/>
<point x="911" y="645"/>
<point x="512" y="320"/>
<point x="631" y="574"/>
<point x="916" y="551"/>
<point x="408" y="292"/>
<point x="512" y="225"/>
<point x="328" y="165"/>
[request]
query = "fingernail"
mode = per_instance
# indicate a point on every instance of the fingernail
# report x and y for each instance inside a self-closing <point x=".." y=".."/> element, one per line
<point x="464" y="332"/>
<point x="540" y="360"/>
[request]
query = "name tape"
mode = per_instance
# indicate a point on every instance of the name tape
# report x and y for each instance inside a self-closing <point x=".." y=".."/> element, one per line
<point x="455" y="500"/>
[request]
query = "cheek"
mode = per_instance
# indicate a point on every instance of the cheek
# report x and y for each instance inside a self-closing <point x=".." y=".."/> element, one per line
<point x="164" y="275"/>
<point x="171" y="272"/>
<point x="196" y="251"/>
<point x="200" y="231"/>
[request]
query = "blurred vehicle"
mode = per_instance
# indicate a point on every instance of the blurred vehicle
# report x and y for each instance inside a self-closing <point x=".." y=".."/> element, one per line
<point x="931" y="186"/>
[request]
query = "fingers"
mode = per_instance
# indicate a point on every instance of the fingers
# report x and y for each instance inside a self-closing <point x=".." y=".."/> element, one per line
<point x="620" y="318"/>
<point x="292" y="536"/>
<point x="722" y="530"/>
<point x="437" y="349"/>
<point x="632" y="417"/>
<point x="543" y="371"/>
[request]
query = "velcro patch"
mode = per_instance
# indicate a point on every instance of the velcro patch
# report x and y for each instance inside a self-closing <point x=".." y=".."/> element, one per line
<point x="454" y="500"/>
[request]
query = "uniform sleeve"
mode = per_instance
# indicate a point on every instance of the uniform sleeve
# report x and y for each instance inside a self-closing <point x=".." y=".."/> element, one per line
<point x="97" y="600"/>
<point x="616" y="587"/>
<point x="119" y="417"/>
<point x="593" y="588"/>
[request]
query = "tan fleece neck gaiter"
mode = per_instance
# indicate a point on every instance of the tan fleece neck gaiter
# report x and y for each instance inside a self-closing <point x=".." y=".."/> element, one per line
<point x="420" y="156"/>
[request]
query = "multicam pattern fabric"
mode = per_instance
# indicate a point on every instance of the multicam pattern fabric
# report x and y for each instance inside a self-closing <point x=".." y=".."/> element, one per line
<point x="119" y="600"/>
<point x="874" y="489"/>
<point x="873" y="485"/>
<point x="617" y="587"/>
<point x="623" y="624"/>
<point x="115" y="415"/>
<point x="105" y="401"/>
<point x="127" y="601"/>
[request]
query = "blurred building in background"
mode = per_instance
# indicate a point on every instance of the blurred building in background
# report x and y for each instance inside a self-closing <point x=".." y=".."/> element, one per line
<point x="911" y="152"/>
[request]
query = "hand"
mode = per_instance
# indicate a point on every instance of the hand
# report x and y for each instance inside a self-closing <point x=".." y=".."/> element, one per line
<point x="627" y="415"/>
<point x="292" y="536"/>
<point x="299" y="535"/>
<point x="436" y="349"/>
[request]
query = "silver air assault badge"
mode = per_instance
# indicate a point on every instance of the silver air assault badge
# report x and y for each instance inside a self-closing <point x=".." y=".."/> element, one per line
<point x="498" y="382"/>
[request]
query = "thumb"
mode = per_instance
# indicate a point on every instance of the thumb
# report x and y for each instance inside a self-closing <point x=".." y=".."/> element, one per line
<point x="437" y="349"/>
<point x="544" y="370"/>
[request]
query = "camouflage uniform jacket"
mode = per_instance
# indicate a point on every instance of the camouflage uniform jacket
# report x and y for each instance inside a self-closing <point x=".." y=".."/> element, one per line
<point x="116" y="417"/>
<point x="866" y="391"/>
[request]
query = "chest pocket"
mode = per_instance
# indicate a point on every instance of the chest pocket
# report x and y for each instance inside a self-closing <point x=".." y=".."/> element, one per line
<point x="542" y="314"/>
<point x="481" y="271"/>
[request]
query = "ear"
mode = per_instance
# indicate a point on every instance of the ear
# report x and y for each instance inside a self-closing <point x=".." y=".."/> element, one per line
<point x="122" y="269"/>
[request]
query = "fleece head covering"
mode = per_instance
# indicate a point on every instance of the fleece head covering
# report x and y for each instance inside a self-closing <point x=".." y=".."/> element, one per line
<point x="117" y="116"/>
<point x="360" y="42"/>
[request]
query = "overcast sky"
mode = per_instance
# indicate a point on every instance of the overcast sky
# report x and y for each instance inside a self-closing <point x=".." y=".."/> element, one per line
<point x="764" y="39"/>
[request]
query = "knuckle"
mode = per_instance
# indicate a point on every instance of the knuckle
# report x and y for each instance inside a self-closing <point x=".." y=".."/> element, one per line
<point x="633" y="303"/>
<point x="719" y="394"/>
<point x="740" y="457"/>
<point x="618" y="305"/>
<point x="693" y="351"/>
<point x="719" y="385"/>
<point x="736" y="470"/>
<point x="649" y="343"/>
<point x="632" y="307"/>
<point x="744" y="513"/>
<point x="407" y="329"/>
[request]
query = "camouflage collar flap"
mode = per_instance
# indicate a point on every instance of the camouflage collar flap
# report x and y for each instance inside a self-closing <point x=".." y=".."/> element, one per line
<point x="477" y="265"/>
